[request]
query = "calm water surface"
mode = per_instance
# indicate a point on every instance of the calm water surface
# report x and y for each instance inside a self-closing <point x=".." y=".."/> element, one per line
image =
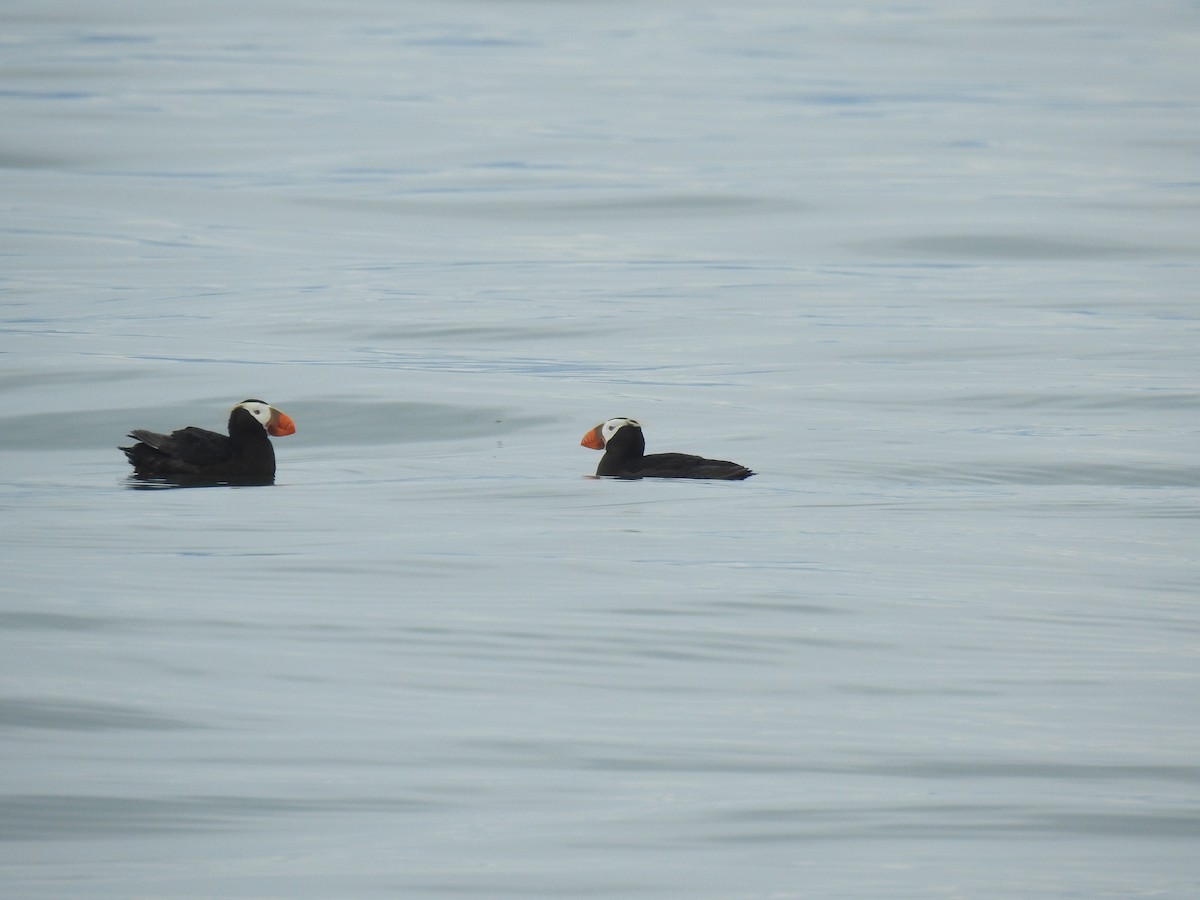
<point x="930" y="270"/>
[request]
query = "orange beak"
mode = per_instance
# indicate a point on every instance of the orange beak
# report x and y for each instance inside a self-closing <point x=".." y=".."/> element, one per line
<point x="281" y="423"/>
<point x="592" y="440"/>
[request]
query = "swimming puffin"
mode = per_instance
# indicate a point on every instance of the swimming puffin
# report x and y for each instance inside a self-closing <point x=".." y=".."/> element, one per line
<point x="624" y="449"/>
<point x="197" y="456"/>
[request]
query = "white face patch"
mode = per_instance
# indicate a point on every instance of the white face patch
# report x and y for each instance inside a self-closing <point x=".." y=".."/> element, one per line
<point x="261" y="411"/>
<point x="612" y="426"/>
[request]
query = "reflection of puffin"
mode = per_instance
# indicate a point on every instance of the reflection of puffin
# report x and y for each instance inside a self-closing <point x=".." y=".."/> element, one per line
<point x="624" y="449"/>
<point x="198" y="456"/>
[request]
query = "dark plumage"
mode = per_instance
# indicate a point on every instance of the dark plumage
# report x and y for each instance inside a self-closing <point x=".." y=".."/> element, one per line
<point x="624" y="448"/>
<point x="197" y="456"/>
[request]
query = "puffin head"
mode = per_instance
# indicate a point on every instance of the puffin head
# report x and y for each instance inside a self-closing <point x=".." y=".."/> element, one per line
<point x="276" y="422"/>
<point x="598" y="437"/>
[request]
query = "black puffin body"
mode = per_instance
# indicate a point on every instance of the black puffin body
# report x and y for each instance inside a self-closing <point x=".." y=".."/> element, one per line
<point x="624" y="448"/>
<point x="197" y="456"/>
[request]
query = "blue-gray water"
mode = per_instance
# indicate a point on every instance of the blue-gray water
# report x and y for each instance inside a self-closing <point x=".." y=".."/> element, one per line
<point x="930" y="269"/>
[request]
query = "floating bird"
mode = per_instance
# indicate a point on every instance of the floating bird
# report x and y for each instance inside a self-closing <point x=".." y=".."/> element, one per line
<point x="197" y="456"/>
<point x="624" y="448"/>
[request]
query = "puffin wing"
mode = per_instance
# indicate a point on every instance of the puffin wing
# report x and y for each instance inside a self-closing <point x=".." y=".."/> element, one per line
<point x="193" y="446"/>
<point x="687" y="465"/>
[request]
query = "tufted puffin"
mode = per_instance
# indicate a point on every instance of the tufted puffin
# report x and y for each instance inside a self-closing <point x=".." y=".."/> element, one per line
<point x="624" y="449"/>
<point x="197" y="456"/>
